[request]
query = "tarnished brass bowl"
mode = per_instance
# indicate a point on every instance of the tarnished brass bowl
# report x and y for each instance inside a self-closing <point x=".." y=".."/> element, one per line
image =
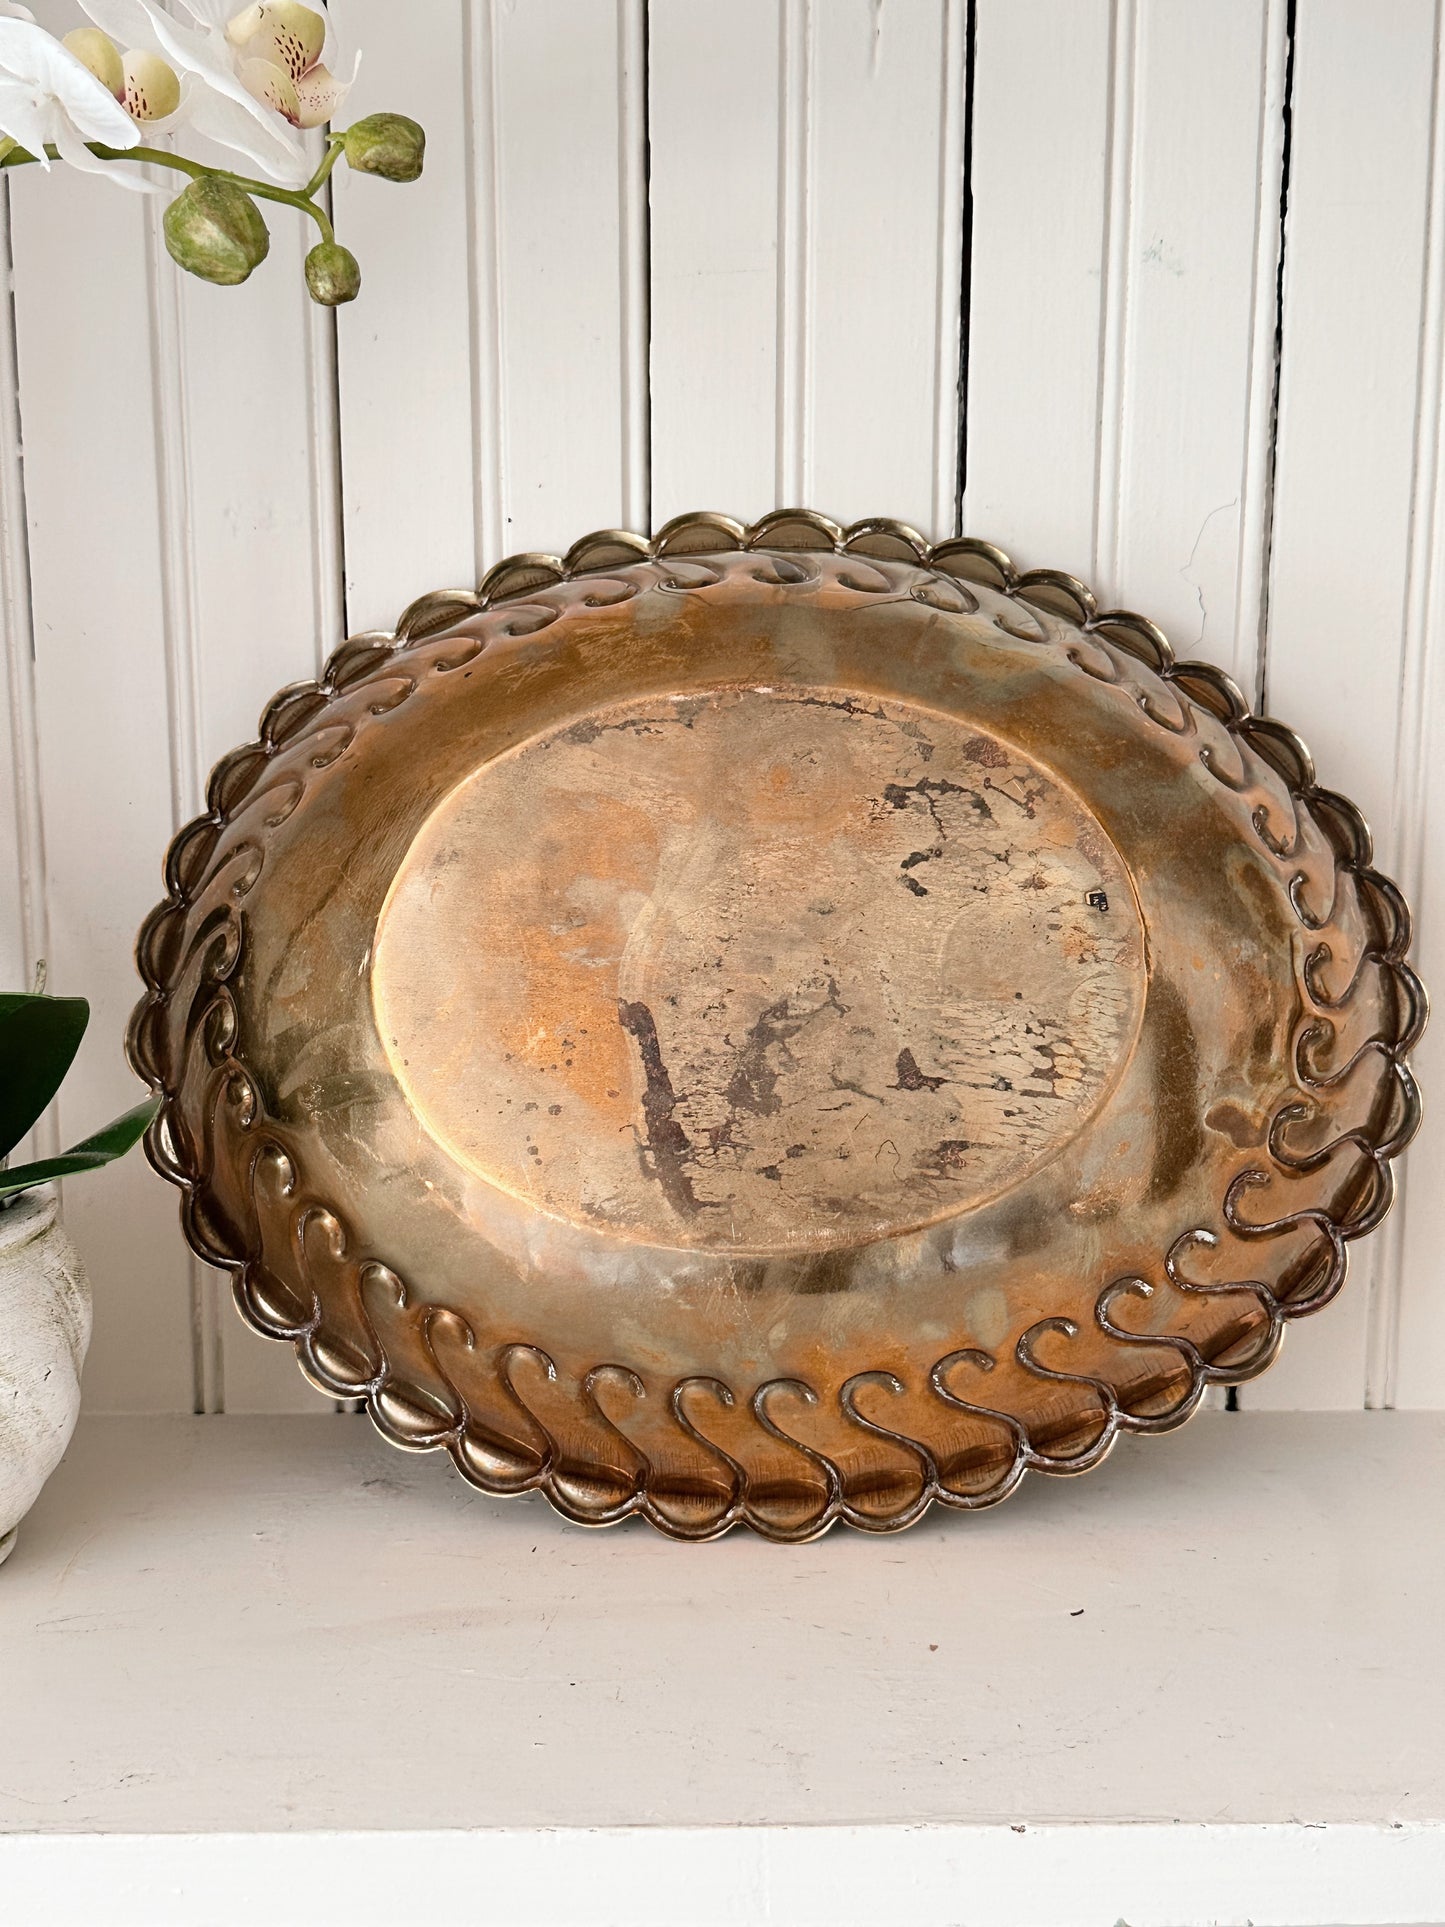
<point x="775" y="1024"/>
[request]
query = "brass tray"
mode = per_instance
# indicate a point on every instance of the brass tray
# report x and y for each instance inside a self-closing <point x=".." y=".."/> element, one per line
<point x="775" y="1025"/>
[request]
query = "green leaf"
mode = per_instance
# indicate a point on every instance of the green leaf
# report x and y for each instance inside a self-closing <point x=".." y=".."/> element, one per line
<point x="39" y="1037"/>
<point x="89" y="1155"/>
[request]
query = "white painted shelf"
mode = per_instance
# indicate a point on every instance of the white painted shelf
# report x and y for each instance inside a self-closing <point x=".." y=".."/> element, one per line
<point x="272" y="1669"/>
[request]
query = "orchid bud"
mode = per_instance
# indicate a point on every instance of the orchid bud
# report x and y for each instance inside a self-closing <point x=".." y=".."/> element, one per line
<point x="215" y="231"/>
<point x="386" y="144"/>
<point x="98" y="52"/>
<point x="333" y="274"/>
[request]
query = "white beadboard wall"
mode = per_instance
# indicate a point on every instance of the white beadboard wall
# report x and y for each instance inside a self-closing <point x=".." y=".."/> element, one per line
<point x="1149" y="291"/>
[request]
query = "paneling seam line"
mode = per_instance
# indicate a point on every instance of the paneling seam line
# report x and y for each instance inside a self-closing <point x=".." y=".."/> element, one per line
<point x="955" y="268"/>
<point x="1261" y="691"/>
<point x="792" y="466"/>
<point x="1262" y="378"/>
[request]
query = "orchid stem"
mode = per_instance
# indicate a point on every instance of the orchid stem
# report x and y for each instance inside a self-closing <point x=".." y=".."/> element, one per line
<point x="301" y="197"/>
<point x="335" y="144"/>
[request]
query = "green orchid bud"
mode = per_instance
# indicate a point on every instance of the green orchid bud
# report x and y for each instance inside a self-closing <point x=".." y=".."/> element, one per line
<point x="386" y="144"/>
<point x="214" y="230"/>
<point x="333" y="274"/>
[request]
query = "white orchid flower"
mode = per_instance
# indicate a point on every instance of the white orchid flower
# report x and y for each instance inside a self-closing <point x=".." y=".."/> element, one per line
<point x="50" y="98"/>
<point x="218" y="98"/>
<point x="279" y="46"/>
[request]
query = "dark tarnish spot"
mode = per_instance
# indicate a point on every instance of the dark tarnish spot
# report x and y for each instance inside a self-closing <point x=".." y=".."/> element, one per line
<point x="1235" y="1123"/>
<point x="587" y="731"/>
<point x="947" y="1159"/>
<point x="667" y="1144"/>
<point x="825" y="1271"/>
<point x="753" y="1086"/>
<point x="1049" y="1072"/>
<point x="749" y="1274"/>
<point x="912" y="862"/>
<point x="1180" y="1135"/>
<point x="910" y="1078"/>
<point x="847" y="705"/>
<point x="984" y="751"/>
<point x="897" y="797"/>
<point x="1263" y="1051"/>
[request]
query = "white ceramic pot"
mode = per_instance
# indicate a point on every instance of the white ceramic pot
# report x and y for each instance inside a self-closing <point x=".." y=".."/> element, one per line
<point x="44" y="1333"/>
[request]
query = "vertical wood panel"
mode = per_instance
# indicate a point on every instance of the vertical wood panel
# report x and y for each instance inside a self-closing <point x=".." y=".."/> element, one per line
<point x="1409" y="1349"/>
<point x="714" y="248"/>
<point x="405" y="345"/>
<point x="634" y="246"/>
<point x="1181" y="515"/>
<point x="22" y="879"/>
<point x="876" y="124"/>
<point x="802" y="359"/>
<point x="493" y="374"/>
<point x="563" y="73"/>
<point x="1122" y="318"/>
<point x="1355" y="242"/>
<point x="101" y="681"/>
<point x="1405" y="1356"/>
<point x="1040" y="171"/>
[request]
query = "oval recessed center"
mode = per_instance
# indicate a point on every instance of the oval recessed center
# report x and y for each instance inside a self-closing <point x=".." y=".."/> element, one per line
<point x="761" y="969"/>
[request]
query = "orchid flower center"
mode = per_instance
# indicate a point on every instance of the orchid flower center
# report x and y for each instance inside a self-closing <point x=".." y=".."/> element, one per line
<point x="144" y="84"/>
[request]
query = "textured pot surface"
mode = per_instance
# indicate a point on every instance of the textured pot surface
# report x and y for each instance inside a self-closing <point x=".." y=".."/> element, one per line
<point x="44" y="1334"/>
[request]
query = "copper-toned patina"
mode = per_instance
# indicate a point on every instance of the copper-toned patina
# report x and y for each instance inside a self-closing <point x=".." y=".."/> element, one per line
<point x="775" y="1025"/>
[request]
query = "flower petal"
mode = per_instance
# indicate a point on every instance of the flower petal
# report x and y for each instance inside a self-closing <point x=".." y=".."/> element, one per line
<point x="212" y="15"/>
<point x="73" y="150"/>
<point x="98" y="53"/>
<point x="25" y="119"/>
<point x="152" y="90"/>
<point x="319" y="94"/>
<point x="267" y="82"/>
<point x="241" y="26"/>
<point x="220" y="119"/>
